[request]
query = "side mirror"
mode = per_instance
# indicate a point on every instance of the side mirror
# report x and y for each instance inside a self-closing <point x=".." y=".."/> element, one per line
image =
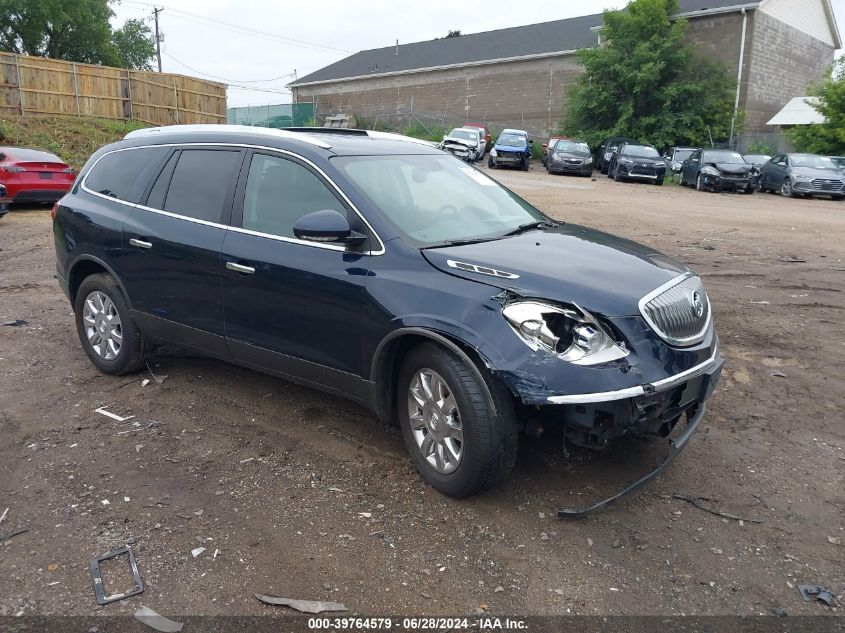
<point x="531" y="141"/>
<point x="326" y="226"/>
<point x="445" y="136"/>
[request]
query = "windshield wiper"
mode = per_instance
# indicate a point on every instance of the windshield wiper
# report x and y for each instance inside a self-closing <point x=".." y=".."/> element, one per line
<point x="531" y="226"/>
<point x="462" y="242"/>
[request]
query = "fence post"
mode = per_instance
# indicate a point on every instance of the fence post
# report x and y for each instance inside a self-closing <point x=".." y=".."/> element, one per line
<point x="176" y="102"/>
<point x="411" y="112"/>
<point x="129" y="87"/>
<point x="20" y="82"/>
<point x="76" y="88"/>
<point x="443" y="120"/>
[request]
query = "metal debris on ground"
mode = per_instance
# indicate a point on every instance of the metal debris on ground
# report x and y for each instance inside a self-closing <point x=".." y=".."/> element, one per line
<point x="147" y="616"/>
<point x="718" y="513"/>
<point x="158" y="379"/>
<point x="113" y="416"/>
<point x="100" y="589"/>
<point x="816" y="592"/>
<point x="11" y="535"/>
<point x="3" y="516"/>
<point x="15" y="323"/>
<point x="303" y="606"/>
<point x="145" y="382"/>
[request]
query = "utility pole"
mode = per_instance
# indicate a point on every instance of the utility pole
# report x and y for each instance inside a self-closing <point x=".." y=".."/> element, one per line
<point x="156" y="11"/>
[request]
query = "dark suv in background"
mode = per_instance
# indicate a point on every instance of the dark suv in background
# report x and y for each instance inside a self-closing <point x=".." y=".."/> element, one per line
<point x="388" y="272"/>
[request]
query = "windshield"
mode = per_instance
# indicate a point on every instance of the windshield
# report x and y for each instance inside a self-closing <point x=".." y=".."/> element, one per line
<point x="511" y="140"/>
<point x="434" y="199"/>
<point x="467" y="135"/>
<point x="682" y="154"/>
<point x="812" y="161"/>
<point x="756" y="158"/>
<point x="574" y="147"/>
<point x="722" y="156"/>
<point x="640" y="151"/>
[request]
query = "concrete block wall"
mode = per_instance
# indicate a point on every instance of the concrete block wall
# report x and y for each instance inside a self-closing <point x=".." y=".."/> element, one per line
<point x="525" y="94"/>
<point x="784" y="62"/>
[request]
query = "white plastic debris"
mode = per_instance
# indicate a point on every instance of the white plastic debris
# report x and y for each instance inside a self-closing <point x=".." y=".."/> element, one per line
<point x="147" y="616"/>
<point x="197" y="551"/>
<point x="113" y="416"/>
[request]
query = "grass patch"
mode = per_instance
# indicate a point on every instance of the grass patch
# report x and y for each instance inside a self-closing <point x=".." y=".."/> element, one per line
<point x="73" y="139"/>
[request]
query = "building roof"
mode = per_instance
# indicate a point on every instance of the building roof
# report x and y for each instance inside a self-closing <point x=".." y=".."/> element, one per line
<point x="799" y="111"/>
<point x="545" y="39"/>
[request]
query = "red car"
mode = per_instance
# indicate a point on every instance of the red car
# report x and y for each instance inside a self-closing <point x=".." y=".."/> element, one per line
<point x="33" y="175"/>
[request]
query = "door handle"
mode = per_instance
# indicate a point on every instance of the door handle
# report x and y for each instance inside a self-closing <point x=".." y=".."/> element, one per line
<point x="140" y="243"/>
<point x="240" y="268"/>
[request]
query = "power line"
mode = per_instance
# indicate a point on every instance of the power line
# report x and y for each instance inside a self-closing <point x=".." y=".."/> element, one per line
<point x="242" y="30"/>
<point x="228" y="82"/>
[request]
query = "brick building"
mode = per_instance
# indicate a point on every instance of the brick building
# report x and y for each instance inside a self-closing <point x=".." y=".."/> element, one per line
<point x="516" y="77"/>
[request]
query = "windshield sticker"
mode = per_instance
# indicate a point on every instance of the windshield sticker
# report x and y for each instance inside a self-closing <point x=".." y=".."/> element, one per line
<point x="478" y="177"/>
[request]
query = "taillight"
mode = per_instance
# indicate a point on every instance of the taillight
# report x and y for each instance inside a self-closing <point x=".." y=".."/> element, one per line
<point x="53" y="211"/>
<point x="13" y="169"/>
<point x="69" y="170"/>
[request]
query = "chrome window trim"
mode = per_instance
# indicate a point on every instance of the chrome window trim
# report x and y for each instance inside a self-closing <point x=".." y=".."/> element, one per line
<point x="678" y="342"/>
<point x="237" y="229"/>
<point x="639" y="390"/>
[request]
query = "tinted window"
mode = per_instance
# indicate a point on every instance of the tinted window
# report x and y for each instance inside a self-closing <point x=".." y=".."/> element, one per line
<point x="279" y="192"/>
<point x="159" y="190"/>
<point x="124" y="174"/>
<point x="682" y="154"/>
<point x="199" y="183"/>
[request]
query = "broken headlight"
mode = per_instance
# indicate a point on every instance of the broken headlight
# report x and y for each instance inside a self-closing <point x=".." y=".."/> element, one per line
<point x="571" y="333"/>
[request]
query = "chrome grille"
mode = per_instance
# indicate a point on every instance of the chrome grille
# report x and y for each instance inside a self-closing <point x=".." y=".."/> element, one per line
<point x="678" y="311"/>
<point x="827" y="184"/>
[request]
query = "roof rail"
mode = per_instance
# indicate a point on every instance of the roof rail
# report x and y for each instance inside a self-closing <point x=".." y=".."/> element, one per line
<point x="226" y="129"/>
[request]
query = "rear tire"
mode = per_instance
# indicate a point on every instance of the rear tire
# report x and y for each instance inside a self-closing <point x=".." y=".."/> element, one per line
<point x="659" y="182"/>
<point x="108" y="334"/>
<point x="488" y="434"/>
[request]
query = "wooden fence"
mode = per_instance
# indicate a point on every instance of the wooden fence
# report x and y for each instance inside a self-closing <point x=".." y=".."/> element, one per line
<point x="41" y="86"/>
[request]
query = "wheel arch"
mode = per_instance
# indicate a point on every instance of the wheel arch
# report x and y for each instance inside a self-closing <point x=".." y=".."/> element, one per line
<point x="392" y="350"/>
<point x="83" y="267"/>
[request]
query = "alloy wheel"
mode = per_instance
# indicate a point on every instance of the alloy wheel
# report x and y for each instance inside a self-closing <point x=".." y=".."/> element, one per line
<point x="786" y="189"/>
<point x="699" y="183"/>
<point x="102" y="325"/>
<point x="435" y="420"/>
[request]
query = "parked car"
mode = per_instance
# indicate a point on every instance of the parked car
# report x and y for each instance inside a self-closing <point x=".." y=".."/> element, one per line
<point x="488" y="140"/>
<point x="795" y="175"/>
<point x="719" y="170"/>
<point x="388" y="273"/>
<point x="606" y="149"/>
<point x="4" y="202"/>
<point x="465" y="143"/>
<point x="675" y="157"/>
<point x="637" y="162"/>
<point x="548" y="147"/>
<point x="512" y="148"/>
<point x="757" y="160"/>
<point x="34" y="175"/>
<point x="570" y="157"/>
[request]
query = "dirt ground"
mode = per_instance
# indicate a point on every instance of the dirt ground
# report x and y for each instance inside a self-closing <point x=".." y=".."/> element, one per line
<point x="295" y="493"/>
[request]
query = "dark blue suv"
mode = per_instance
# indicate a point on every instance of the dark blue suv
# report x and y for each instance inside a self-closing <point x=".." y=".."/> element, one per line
<point x="388" y="272"/>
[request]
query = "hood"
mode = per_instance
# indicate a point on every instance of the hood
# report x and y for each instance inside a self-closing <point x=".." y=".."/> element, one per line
<point x="826" y="174"/>
<point x="451" y="140"/>
<point x="733" y="168"/>
<point x="565" y="155"/>
<point x="569" y="264"/>
<point x="652" y="162"/>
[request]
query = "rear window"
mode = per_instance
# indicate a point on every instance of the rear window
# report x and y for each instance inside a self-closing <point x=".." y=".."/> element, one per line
<point x="124" y="174"/>
<point x="24" y="155"/>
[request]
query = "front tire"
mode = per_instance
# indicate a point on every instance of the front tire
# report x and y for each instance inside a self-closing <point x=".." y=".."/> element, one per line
<point x="786" y="189"/>
<point x="524" y="164"/>
<point x="699" y="183"/>
<point x="108" y="334"/>
<point x="459" y="441"/>
<point x="490" y="163"/>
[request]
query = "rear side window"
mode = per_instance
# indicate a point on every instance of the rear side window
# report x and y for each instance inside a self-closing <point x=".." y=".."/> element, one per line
<point x="124" y="174"/>
<point x="198" y="184"/>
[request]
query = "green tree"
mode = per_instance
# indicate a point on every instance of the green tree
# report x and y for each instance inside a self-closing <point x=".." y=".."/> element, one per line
<point x="134" y="45"/>
<point x="647" y="81"/>
<point x="73" y="30"/>
<point x="829" y="137"/>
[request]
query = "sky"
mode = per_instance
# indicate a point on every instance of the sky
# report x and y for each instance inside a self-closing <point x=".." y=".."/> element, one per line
<point x="255" y="46"/>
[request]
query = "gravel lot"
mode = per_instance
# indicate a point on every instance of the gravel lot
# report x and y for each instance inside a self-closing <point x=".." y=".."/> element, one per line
<point x="299" y="494"/>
